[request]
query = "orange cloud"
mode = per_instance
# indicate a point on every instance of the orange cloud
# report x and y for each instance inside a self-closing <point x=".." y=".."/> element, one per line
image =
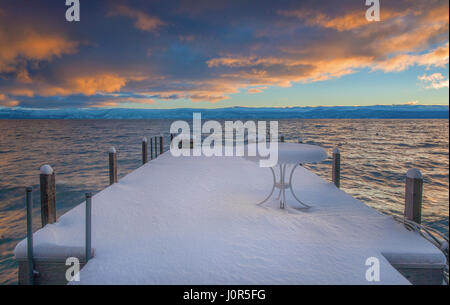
<point x="213" y="90"/>
<point x="428" y="26"/>
<point x="30" y="45"/>
<point x="89" y="85"/>
<point x="434" y="58"/>
<point x="350" y="21"/>
<point x="143" y="22"/>
<point x="86" y="85"/>
<point x="283" y="71"/>
<point x="346" y="22"/>
<point x="21" y="92"/>
<point x="256" y="90"/>
<point x="7" y="102"/>
<point x="96" y="83"/>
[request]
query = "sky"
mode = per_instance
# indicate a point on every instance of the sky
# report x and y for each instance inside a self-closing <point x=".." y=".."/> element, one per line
<point x="214" y="54"/>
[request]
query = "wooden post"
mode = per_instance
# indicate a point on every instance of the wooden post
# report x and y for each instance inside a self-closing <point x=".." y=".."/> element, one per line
<point x="112" y="165"/>
<point x="48" y="195"/>
<point x="88" y="226"/>
<point x="151" y="148"/>
<point x="30" y="255"/>
<point x="281" y="139"/>
<point x="413" y="195"/>
<point x="156" y="146"/>
<point x="144" y="150"/>
<point x="300" y="141"/>
<point x="336" y="170"/>
<point x="161" y="145"/>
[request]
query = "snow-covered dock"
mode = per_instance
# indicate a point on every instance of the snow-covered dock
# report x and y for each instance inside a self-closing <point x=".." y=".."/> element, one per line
<point x="194" y="220"/>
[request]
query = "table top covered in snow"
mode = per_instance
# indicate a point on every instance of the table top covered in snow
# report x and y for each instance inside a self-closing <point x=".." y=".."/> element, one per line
<point x="193" y="220"/>
<point x="293" y="153"/>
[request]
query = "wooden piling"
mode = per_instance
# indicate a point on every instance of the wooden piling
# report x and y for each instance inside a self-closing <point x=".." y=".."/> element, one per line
<point x="161" y="145"/>
<point x="151" y="148"/>
<point x="156" y="146"/>
<point x="48" y="195"/>
<point x="281" y="139"/>
<point x="336" y="170"/>
<point x="144" y="150"/>
<point x="413" y="195"/>
<point x="112" y="165"/>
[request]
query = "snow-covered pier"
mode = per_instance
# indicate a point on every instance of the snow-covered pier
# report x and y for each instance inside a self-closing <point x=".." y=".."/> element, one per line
<point x="194" y="220"/>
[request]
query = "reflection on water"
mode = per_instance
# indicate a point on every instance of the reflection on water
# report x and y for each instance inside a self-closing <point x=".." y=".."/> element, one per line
<point x="375" y="157"/>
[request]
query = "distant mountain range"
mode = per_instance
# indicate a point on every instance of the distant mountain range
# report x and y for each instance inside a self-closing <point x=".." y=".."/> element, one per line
<point x="322" y="112"/>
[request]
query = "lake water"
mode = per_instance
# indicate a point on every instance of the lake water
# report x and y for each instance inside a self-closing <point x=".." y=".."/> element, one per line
<point x="375" y="155"/>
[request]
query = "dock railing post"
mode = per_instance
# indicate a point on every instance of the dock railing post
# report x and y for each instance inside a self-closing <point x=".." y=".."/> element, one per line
<point x="300" y="141"/>
<point x="88" y="226"/>
<point x="151" y="148"/>
<point x="413" y="195"/>
<point x="30" y="255"/>
<point x="144" y="150"/>
<point x="161" y="145"/>
<point x="48" y="195"/>
<point x="336" y="167"/>
<point x="112" y="165"/>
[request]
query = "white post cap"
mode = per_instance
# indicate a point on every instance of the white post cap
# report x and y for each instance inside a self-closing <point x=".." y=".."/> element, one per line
<point x="112" y="150"/>
<point x="414" y="173"/>
<point x="144" y="139"/>
<point x="46" y="169"/>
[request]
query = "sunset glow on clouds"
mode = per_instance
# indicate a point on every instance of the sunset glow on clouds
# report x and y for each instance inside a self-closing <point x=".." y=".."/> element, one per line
<point x="167" y="54"/>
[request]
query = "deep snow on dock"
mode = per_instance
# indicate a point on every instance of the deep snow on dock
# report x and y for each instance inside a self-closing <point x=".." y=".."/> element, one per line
<point x="194" y="220"/>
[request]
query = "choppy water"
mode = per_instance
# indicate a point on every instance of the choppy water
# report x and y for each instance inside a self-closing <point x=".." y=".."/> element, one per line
<point x="375" y="157"/>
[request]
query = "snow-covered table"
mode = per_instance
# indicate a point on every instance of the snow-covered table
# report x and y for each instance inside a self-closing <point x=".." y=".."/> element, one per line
<point x="291" y="155"/>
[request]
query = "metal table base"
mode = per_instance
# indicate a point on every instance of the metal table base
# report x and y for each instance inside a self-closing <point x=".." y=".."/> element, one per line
<point x="282" y="186"/>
